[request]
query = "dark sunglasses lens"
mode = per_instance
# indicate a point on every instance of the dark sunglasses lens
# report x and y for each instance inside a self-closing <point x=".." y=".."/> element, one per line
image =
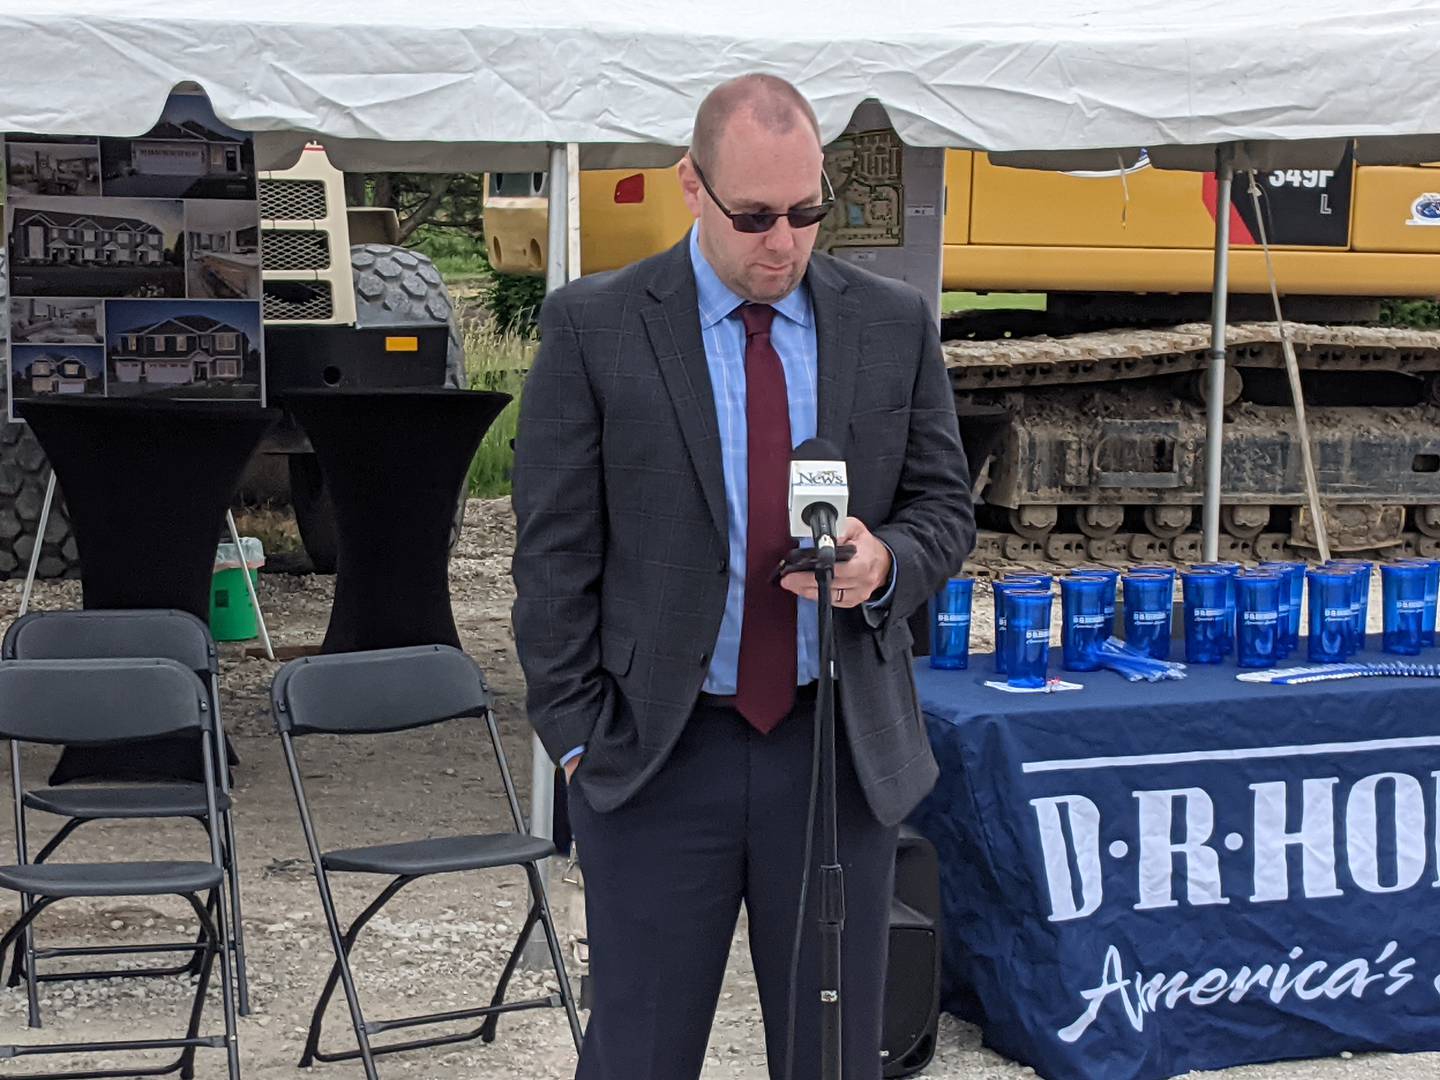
<point x="754" y="223"/>
<point x="807" y="216"/>
<point x="804" y="218"/>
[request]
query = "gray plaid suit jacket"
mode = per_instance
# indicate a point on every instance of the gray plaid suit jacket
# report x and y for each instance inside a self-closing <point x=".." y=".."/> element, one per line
<point x="621" y="552"/>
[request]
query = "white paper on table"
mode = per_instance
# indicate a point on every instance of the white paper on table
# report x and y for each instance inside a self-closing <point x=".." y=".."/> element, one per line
<point x="1053" y="685"/>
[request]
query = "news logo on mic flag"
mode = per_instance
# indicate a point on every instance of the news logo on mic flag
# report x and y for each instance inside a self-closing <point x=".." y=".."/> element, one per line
<point x="813" y="482"/>
<point x="817" y="478"/>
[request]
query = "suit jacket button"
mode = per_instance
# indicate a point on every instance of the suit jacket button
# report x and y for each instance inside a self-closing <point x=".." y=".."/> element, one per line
<point x="704" y="658"/>
<point x="722" y="566"/>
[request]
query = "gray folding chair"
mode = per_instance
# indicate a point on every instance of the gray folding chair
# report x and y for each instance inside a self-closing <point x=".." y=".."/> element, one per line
<point x="96" y="702"/>
<point x="89" y="635"/>
<point x="393" y="690"/>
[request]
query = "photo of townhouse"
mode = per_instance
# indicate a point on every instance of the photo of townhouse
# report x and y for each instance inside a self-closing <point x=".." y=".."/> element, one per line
<point x="43" y="321"/>
<point x="95" y="247"/>
<point x="190" y="349"/>
<point x="63" y="370"/>
<point x="53" y="168"/>
<point x="222" y="250"/>
<point x="189" y="154"/>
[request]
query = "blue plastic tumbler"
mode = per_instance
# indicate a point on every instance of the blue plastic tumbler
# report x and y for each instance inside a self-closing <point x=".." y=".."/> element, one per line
<point x="1257" y="618"/>
<point x="1432" y="588"/>
<point x="1230" y="569"/>
<point x="999" y="588"/>
<point x="950" y="624"/>
<point x="1360" y="598"/>
<point x="1082" y="620"/>
<point x="1292" y="599"/>
<point x="1113" y="577"/>
<point x="1011" y="581"/>
<point x="1402" y="589"/>
<point x="1331" y="620"/>
<point x="1148" y="599"/>
<point x="1206" y="615"/>
<point x="1027" y="637"/>
<point x="1355" y="639"/>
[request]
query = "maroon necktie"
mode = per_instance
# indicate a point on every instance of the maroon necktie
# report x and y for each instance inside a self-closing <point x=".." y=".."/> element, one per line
<point x="765" y="688"/>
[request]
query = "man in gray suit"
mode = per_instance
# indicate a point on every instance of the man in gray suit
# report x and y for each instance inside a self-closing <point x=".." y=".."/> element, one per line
<point x="669" y="676"/>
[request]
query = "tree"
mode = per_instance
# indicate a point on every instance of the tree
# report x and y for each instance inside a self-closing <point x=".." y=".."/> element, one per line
<point x="439" y="200"/>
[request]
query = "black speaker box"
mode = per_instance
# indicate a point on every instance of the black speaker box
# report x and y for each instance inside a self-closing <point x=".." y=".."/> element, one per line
<point x="912" y="980"/>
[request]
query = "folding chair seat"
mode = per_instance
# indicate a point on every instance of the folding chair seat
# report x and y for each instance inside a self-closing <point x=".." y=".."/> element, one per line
<point x="387" y="691"/>
<point x="99" y="702"/>
<point x="99" y="634"/>
<point x="440" y="855"/>
<point x="131" y="801"/>
<point x="110" y="879"/>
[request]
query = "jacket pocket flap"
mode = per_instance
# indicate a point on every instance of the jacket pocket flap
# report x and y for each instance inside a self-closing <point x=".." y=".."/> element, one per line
<point x="617" y="651"/>
<point x="894" y="638"/>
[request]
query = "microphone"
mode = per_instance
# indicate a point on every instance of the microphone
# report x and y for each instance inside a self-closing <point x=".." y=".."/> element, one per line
<point x="819" y="496"/>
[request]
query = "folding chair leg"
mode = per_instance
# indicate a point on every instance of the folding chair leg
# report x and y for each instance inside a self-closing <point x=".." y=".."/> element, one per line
<point x="25" y="944"/>
<point x="557" y="957"/>
<point x="21" y="924"/>
<point x="237" y="925"/>
<point x="487" y="1031"/>
<point x="199" y="957"/>
<point x="207" y="964"/>
<point x="340" y="970"/>
<point x="19" y="933"/>
<point x="219" y="935"/>
<point x="25" y="947"/>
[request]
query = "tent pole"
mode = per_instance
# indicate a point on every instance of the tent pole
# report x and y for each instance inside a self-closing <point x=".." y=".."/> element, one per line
<point x="40" y="528"/>
<point x="1215" y="391"/>
<point x="572" y="211"/>
<point x="542" y="769"/>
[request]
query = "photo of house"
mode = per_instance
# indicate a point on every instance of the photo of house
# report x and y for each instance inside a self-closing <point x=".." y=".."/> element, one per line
<point x="95" y="247"/>
<point x="42" y="370"/>
<point x="40" y="320"/>
<point x="222" y="250"/>
<point x="189" y="154"/>
<point x="53" y="168"/>
<point x="191" y="349"/>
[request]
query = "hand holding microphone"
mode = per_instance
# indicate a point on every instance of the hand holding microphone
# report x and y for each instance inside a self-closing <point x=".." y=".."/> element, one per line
<point x="819" y="498"/>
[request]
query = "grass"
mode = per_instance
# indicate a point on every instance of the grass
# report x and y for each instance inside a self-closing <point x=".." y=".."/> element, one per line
<point x="969" y="301"/>
<point x="459" y="269"/>
<point x="496" y="359"/>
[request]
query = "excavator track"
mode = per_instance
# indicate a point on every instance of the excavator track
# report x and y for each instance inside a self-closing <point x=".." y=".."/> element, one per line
<point x="1088" y="447"/>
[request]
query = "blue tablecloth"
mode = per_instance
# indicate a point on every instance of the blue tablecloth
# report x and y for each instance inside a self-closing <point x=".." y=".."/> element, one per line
<point x="1141" y="879"/>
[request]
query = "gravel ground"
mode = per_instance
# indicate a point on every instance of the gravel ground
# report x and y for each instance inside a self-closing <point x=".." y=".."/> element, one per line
<point x="442" y="944"/>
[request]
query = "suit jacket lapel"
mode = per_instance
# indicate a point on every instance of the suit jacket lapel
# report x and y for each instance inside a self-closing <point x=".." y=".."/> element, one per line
<point x="673" y="324"/>
<point x="837" y="341"/>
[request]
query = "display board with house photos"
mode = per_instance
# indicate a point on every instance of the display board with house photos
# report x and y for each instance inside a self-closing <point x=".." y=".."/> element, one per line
<point x="134" y="264"/>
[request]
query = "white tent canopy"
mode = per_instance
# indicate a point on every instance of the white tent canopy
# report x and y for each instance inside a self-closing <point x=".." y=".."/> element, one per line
<point x="447" y="85"/>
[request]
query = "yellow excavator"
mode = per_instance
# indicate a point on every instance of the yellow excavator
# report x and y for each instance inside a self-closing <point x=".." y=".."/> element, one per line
<point x="1079" y="379"/>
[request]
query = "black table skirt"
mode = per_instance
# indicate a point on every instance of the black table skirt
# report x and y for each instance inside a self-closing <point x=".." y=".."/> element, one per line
<point x="147" y="484"/>
<point x="395" y="462"/>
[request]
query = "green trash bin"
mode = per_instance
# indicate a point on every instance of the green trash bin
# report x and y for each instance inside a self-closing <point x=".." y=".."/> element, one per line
<point x="232" y="616"/>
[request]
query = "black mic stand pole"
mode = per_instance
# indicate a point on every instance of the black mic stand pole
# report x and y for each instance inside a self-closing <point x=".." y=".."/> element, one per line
<point x="832" y="876"/>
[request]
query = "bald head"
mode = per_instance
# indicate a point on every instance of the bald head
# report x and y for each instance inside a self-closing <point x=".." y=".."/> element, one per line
<point x="770" y="103"/>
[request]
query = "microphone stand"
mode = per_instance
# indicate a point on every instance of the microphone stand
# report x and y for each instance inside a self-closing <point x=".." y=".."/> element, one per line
<point x="832" y="875"/>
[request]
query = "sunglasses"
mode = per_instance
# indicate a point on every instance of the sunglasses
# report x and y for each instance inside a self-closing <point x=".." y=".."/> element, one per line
<point x="801" y="217"/>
